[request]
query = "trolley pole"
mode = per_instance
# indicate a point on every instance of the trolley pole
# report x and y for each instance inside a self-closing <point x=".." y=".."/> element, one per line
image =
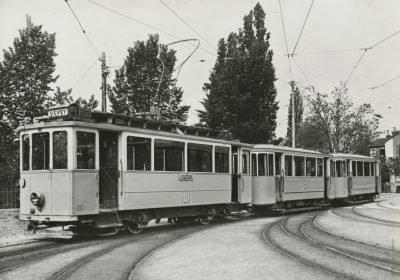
<point x="104" y="73"/>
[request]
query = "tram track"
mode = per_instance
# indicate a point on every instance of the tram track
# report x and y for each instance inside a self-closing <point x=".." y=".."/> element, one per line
<point x="353" y="215"/>
<point x="332" y="259"/>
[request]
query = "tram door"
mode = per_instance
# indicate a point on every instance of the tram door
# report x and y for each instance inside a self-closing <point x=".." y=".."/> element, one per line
<point x="109" y="172"/>
<point x="235" y="174"/>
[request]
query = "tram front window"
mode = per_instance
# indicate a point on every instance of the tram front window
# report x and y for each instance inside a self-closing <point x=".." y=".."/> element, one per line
<point x="40" y="151"/>
<point x="60" y="150"/>
<point x="86" y="150"/>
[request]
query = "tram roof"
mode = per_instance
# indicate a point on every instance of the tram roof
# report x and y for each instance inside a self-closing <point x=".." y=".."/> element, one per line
<point x="285" y="149"/>
<point x="120" y="123"/>
<point x="352" y="156"/>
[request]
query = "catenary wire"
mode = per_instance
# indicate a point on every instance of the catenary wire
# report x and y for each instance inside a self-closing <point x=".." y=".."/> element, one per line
<point x="301" y="71"/>
<point x="84" y="74"/>
<point x="384" y="83"/>
<point x="145" y="24"/>
<point x="83" y="30"/>
<point x="188" y="25"/>
<point x="284" y="34"/>
<point x="302" y="28"/>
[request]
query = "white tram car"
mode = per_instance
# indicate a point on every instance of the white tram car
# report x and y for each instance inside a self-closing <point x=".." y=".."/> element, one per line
<point x="285" y="177"/>
<point x="353" y="177"/>
<point x="105" y="170"/>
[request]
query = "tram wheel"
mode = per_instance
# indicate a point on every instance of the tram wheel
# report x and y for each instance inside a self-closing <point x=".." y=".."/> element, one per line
<point x="178" y="221"/>
<point x="134" y="228"/>
<point x="204" y="220"/>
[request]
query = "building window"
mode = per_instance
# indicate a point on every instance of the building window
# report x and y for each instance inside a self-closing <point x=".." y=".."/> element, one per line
<point x="60" y="150"/>
<point x="199" y="158"/>
<point x="25" y="152"/>
<point x="40" y="151"/>
<point x="85" y="150"/>
<point x="221" y="159"/>
<point x="138" y="153"/>
<point x="310" y="167"/>
<point x="299" y="166"/>
<point x="288" y="165"/>
<point x="168" y="155"/>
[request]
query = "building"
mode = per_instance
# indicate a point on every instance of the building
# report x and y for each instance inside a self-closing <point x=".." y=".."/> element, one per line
<point x="388" y="147"/>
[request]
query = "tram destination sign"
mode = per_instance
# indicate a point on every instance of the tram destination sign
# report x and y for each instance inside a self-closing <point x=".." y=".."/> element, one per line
<point x="57" y="112"/>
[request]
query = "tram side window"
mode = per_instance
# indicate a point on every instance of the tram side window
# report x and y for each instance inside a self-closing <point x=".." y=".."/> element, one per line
<point x="278" y="164"/>
<point x="245" y="162"/>
<point x="262" y="165"/>
<point x="359" y="168"/>
<point x="339" y="168"/>
<point x="310" y="167"/>
<point x="366" y="169"/>
<point x="221" y="159"/>
<point x="25" y="152"/>
<point x="333" y="168"/>
<point x="299" y="166"/>
<point x="254" y="164"/>
<point x="168" y="155"/>
<point x="288" y="165"/>
<point x="199" y="158"/>
<point x="320" y="167"/>
<point x="354" y="168"/>
<point x="372" y="169"/>
<point x="60" y="150"/>
<point x="40" y="151"/>
<point x="138" y="153"/>
<point x="85" y="150"/>
<point x="270" y="164"/>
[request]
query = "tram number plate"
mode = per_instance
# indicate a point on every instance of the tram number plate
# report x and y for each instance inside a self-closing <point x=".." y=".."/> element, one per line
<point x="186" y="177"/>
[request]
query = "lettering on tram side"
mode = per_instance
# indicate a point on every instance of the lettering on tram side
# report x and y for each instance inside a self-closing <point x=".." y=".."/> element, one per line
<point x="186" y="177"/>
<point x="58" y="112"/>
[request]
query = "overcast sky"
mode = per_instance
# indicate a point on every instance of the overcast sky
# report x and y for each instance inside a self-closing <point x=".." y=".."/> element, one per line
<point x="327" y="52"/>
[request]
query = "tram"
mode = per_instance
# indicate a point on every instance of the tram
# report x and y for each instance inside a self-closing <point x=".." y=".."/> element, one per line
<point x="103" y="170"/>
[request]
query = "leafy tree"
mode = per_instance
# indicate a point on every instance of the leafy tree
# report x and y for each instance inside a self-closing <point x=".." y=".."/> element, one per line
<point x="298" y="114"/>
<point x="91" y="103"/>
<point x="27" y="72"/>
<point x="61" y="97"/>
<point x="240" y="94"/>
<point x="25" y="75"/>
<point x="334" y="124"/>
<point x="138" y="80"/>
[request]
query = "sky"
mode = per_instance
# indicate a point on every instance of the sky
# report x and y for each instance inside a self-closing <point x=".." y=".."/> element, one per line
<point x="327" y="51"/>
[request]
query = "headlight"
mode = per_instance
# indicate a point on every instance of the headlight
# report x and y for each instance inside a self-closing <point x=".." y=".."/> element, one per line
<point x="37" y="199"/>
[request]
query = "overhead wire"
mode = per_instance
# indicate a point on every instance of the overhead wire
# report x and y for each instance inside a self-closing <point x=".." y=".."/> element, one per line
<point x="83" y="30"/>
<point x="301" y="71"/>
<point x="188" y="25"/>
<point x="384" y="83"/>
<point x="84" y="74"/>
<point x="284" y="34"/>
<point x="302" y="28"/>
<point x="145" y="24"/>
<point x="367" y="49"/>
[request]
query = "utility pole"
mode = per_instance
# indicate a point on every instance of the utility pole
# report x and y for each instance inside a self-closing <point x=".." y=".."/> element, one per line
<point x="104" y="72"/>
<point x="293" y="115"/>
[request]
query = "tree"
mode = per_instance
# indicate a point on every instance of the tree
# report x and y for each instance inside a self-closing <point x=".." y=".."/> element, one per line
<point x="142" y="81"/>
<point x="91" y="103"/>
<point x="298" y="114"/>
<point x="240" y="94"/>
<point x="61" y="97"/>
<point x="25" y="77"/>
<point x="27" y="72"/>
<point x="334" y="124"/>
